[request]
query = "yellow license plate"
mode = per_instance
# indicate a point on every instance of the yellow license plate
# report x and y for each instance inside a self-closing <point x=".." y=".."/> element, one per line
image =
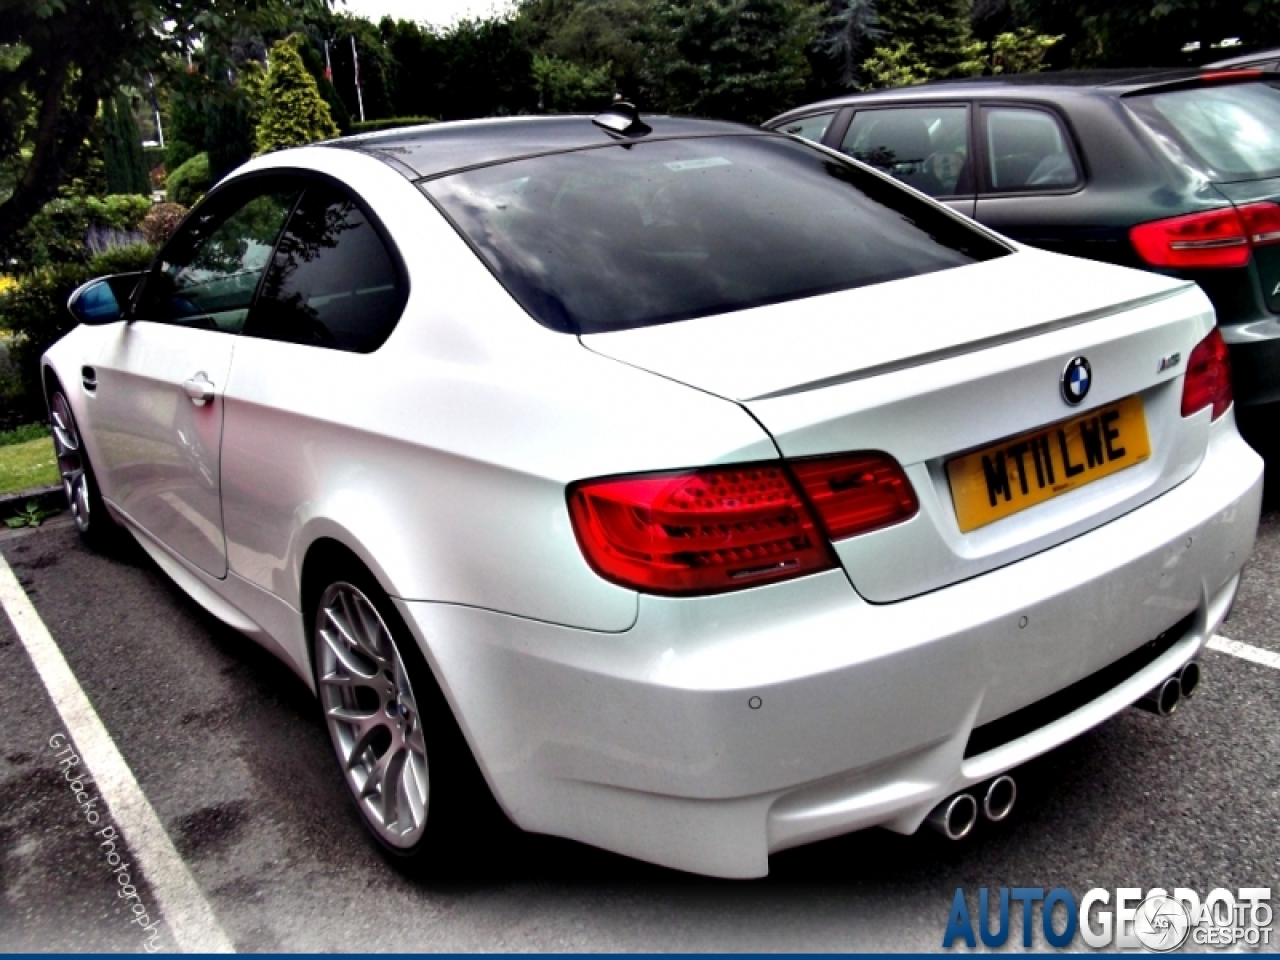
<point x="988" y="485"/>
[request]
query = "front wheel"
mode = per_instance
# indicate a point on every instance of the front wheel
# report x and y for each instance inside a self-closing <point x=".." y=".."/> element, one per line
<point x="84" y="500"/>
<point x="401" y="753"/>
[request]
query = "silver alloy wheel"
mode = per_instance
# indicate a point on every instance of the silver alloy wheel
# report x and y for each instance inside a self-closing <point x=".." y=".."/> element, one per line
<point x="71" y="465"/>
<point x="372" y="714"/>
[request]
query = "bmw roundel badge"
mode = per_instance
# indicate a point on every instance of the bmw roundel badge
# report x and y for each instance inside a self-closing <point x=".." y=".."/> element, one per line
<point x="1076" y="380"/>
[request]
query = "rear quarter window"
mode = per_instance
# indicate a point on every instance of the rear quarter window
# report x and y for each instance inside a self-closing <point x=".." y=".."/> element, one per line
<point x="1233" y="130"/>
<point x="633" y="235"/>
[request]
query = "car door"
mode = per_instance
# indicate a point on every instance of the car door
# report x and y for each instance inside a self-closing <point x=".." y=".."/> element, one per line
<point x="299" y="399"/>
<point x="157" y="394"/>
<point x="1030" y="177"/>
<point x="926" y="146"/>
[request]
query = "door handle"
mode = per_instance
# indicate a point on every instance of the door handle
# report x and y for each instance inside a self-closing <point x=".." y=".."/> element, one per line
<point x="89" y="378"/>
<point x="199" y="389"/>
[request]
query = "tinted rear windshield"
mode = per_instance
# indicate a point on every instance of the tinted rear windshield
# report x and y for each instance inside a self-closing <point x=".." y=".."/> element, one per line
<point x="646" y="233"/>
<point x="1233" y="130"/>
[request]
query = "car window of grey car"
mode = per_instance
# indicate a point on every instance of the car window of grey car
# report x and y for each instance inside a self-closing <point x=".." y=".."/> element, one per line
<point x="633" y="235"/>
<point x="333" y="282"/>
<point x="924" y="147"/>
<point x="1234" y="130"/>
<point x="810" y="128"/>
<point x="1027" y="150"/>
<point x="208" y="273"/>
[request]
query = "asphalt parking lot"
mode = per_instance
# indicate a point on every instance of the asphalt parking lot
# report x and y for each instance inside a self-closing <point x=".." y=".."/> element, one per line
<point x="226" y="745"/>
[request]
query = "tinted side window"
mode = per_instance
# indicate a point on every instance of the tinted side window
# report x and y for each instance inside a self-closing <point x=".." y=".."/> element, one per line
<point x="811" y="128"/>
<point x="207" y="274"/>
<point x="332" y="282"/>
<point x="924" y="147"/>
<point x="1027" y="150"/>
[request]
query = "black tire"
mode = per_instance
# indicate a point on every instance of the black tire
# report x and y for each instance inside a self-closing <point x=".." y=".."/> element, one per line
<point x="463" y="825"/>
<point x="96" y="526"/>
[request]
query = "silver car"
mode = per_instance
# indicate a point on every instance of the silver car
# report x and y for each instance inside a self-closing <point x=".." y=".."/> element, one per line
<point x="687" y="489"/>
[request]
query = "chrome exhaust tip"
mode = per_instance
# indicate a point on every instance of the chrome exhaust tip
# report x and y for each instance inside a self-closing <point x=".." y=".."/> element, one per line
<point x="1164" y="699"/>
<point x="999" y="799"/>
<point x="1189" y="679"/>
<point x="954" y="817"/>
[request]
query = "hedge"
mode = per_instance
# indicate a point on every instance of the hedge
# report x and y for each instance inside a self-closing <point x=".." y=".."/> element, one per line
<point x="391" y="123"/>
<point x="35" y="312"/>
<point x="189" y="182"/>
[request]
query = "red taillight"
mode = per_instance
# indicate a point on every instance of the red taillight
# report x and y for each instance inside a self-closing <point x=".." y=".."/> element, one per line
<point x="856" y="493"/>
<point x="724" y="528"/>
<point x="1232" y="75"/>
<point x="1215" y="238"/>
<point x="1208" y="378"/>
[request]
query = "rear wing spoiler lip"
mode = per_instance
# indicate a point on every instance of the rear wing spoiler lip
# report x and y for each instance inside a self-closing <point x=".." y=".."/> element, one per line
<point x="973" y="346"/>
<point x="1210" y="78"/>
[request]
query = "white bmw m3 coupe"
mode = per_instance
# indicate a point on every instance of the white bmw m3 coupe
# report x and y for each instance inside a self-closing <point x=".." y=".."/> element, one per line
<point x="687" y="489"/>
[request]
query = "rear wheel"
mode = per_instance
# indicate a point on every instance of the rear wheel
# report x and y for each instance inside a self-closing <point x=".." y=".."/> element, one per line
<point x="401" y="753"/>
<point x="96" y="526"/>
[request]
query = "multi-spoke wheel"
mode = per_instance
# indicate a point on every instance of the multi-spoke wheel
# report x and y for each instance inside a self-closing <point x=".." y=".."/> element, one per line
<point x="78" y="480"/>
<point x="400" y="750"/>
<point x="372" y="714"/>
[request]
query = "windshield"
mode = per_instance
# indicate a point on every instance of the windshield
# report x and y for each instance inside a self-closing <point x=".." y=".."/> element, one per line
<point x="645" y="233"/>
<point x="1233" y="130"/>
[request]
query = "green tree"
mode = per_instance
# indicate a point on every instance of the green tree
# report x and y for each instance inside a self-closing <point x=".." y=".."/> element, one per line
<point x="1020" y="51"/>
<point x="736" y="59"/>
<point x="489" y="70"/>
<point x="67" y="55"/>
<point x="293" y="112"/>
<point x="939" y="34"/>
<point x="851" y="27"/>
<point x="565" y="87"/>
<point x="896" y="65"/>
<point x="1145" y="33"/>
<point x="126" y="170"/>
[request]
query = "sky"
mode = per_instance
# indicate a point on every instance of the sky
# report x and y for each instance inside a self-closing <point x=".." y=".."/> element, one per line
<point x="440" y="13"/>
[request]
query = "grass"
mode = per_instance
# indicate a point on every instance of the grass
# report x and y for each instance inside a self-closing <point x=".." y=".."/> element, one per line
<point x="27" y="463"/>
<point x="28" y="431"/>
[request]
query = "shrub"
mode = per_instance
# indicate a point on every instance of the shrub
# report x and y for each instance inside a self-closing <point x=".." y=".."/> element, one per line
<point x="189" y="182"/>
<point x="391" y="123"/>
<point x="177" y="153"/>
<point x="160" y="222"/>
<point x="293" y="112"/>
<point x="74" y="227"/>
<point x="35" y="312"/>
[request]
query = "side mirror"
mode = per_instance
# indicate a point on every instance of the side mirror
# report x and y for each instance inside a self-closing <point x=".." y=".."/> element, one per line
<point x="104" y="300"/>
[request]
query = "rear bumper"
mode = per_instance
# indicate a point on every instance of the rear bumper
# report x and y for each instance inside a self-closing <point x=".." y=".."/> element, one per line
<point x="720" y="729"/>
<point x="1255" y="360"/>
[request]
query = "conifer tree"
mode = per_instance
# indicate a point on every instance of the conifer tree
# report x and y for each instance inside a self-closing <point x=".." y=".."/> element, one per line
<point x="293" y="112"/>
<point x="125" y="165"/>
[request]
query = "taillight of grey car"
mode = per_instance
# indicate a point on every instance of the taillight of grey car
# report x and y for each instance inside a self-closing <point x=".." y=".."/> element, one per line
<point x="672" y="486"/>
<point x="1169" y="170"/>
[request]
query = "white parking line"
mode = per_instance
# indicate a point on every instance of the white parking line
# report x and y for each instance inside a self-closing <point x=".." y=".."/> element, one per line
<point x="1245" y="651"/>
<point x="191" y="920"/>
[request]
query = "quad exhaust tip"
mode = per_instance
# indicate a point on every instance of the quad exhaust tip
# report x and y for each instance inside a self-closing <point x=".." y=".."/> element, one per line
<point x="1189" y="679"/>
<point x="954" y="817"/>
<point x="999" y="799"/>
<point x="1164" y="699"/>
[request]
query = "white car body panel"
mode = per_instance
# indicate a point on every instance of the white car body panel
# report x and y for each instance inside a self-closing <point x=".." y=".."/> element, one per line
<point x="626" y="720"/>
<point x="648" y="743"/>
<point x="766" y="351"/>
<point x="160" y="452"/>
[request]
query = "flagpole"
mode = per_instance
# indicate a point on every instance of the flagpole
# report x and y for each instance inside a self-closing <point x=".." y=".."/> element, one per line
<point x="355" y="63"/>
